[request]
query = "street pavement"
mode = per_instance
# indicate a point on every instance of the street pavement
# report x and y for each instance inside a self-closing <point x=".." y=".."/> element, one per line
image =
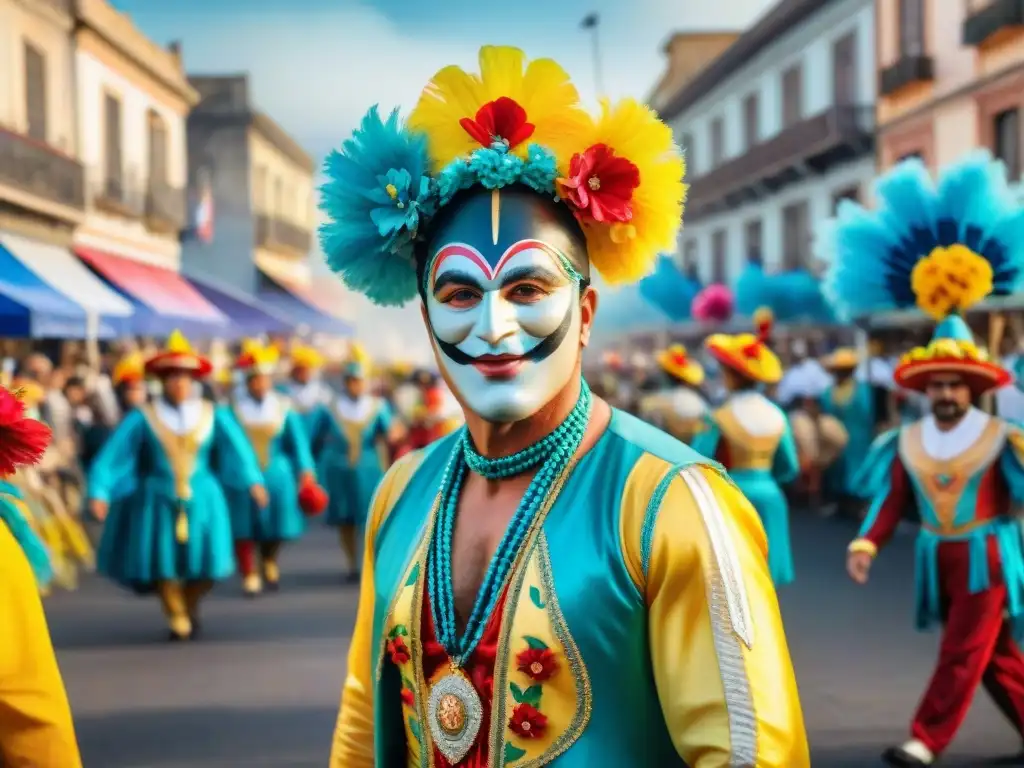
<point x="261" y="688"/>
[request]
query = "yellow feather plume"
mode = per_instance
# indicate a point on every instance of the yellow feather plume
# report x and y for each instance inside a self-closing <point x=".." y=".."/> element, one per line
<point x="306" y="357"/>
<point x="357" y="354"/>
<point x="541" y="87"/>
<point x="624" y="253"/>
<point x="131" y="366"/>
<point x="177" y="342"/>
<point x="261" y="355"/>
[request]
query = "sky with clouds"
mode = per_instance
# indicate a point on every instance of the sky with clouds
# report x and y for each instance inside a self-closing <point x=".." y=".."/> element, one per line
<point x="315" y="66"/>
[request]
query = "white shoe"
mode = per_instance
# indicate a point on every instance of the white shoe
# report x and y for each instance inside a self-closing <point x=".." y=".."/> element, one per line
<point x="911" y="755"/>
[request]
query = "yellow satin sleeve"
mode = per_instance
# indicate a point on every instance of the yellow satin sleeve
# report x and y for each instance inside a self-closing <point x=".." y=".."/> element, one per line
<point x="721" y="663"/>
<point x="35" y="718"/>
<point x="352" y="746"/>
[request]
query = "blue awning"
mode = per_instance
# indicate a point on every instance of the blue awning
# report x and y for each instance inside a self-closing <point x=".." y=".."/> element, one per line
<point x="247" y="317"/>
<point x="286" y="299"/>
<point x="31" y="307"/>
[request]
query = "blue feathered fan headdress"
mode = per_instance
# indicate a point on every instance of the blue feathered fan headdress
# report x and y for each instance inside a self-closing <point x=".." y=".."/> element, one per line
<point x="941" y="246"/>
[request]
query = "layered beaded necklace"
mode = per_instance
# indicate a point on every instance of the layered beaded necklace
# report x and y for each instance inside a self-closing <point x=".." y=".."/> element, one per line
<point x="455" y="710"/>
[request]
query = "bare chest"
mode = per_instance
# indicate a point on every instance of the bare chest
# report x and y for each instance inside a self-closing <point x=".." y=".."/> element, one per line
<point x="484" y="515"/>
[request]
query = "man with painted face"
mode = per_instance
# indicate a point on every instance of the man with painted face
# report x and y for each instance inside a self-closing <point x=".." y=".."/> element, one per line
<point x="960" y="467"/>
<point x="529" y="574"/>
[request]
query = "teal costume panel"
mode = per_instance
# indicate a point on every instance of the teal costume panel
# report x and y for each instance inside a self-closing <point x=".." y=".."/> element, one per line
<point x="289" y="456"/>
<point x="35" y="550"/>
<point x="874" y="482"/>
<point x="857" y="415"/>
<point x="350" y="484"/>
<point x="603" y="610"/>
<point x="763" y="488"/>
<point x="134" y="473"/>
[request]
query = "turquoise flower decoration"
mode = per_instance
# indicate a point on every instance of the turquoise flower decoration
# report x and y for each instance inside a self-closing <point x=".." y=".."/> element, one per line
<point x="401" y="207"/>
<point x="494" y="168"/>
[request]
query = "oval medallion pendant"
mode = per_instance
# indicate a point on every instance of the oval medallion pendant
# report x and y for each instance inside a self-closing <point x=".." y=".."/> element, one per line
<point x="454" y="713"/>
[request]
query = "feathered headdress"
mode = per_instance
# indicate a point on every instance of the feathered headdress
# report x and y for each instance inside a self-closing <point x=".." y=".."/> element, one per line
<point x="257" y="357"/>
<point x="514" y="123"/>
<point x="130" y="368"/>
<point x="178" y="355"/>
<point x="940" y="246"/>
<point x="358" y="363"/>
<point x="306" y="357"/>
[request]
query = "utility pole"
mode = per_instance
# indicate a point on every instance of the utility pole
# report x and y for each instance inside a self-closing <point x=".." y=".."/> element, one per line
<point x="591" y="22"/>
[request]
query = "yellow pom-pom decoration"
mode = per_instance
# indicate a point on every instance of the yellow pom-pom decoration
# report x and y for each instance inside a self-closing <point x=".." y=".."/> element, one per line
<point x="625" y="179"/>
<point x="950" y="280"/>
<point x="177" y="343"/>
<point x="534" y="103"/>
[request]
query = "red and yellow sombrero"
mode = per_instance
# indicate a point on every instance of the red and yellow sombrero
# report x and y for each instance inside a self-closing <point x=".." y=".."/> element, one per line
<point x="842" y="359"/>
<point x="177" y="356"/>
<point x="257" y="358"/>
<point x="951" y="351"/>
<point x="129" y="369"/>
<point x="677" y="363"/>
<point x="747" y="354"/>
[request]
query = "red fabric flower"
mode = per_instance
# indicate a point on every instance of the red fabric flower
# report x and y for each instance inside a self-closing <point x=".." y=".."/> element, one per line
<point x="528" y="722"/>
<point x="398" y="650"/>
<point x="538" y="664"/>
<point x="408" y="698"/>
<point x="23" y="441"/>
<point x="499" y="120"/>
<point x="312" y="498"/>
<point x="600" y="185"/>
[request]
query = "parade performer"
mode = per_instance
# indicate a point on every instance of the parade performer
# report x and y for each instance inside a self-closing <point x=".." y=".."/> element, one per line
<point x="852" y="401"/>
<point x="35" y="719"/>
<point x="752" y="438"/>
<point x="279" y="441"/>
<point x="945" y="245"/>
<point x="355" y="455"/>
<point x="309" y="395"/>
<point x="129" y="380"/>
<point x="492" y="204"/>
<point x="679" y="408"/>
<point x="171" y="529"/>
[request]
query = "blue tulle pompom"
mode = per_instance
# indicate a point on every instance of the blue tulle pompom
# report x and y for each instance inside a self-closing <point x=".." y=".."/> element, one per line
<point x="377" y="195"/>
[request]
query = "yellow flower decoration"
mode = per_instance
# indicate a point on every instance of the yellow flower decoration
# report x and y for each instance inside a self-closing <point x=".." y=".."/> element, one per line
<point x="456" y="105"/>
<point x="950" y="279"/>
<point x="946" y="349"/>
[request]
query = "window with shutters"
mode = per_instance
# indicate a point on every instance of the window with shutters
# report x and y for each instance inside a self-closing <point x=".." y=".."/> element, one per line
<point x="796" y="236"/>
<point x="717" y="142"/>
<point x="113" y="158"/>
<point x="844" y="70"/>
<point x="752" y="239"/>
<point x="1007" y="141"/>
<point x="35" y="92"/>
<point x="157" y="150"/>
<point x="911" y="27"/>
<point x="751" y="122"/>
<point x="792" y="96"/>
<point x="719" y="256"/>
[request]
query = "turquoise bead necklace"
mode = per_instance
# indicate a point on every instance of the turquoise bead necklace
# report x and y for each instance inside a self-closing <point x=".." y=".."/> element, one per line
<point x="552" y="455"/>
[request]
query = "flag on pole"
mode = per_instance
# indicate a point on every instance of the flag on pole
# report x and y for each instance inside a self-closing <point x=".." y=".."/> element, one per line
<point x="590" y="21"/>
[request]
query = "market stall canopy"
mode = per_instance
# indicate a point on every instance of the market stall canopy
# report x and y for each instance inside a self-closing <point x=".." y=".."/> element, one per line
<point x="244" y="312"/>
<point x="163" y="299"/>
<point x="104" y="312"/>
<point x="300" y="303"/>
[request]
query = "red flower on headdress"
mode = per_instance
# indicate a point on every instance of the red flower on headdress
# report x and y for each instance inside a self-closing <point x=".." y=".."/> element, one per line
<point x="600" y="185"/>
<point x="528" y="722"/>
<point x="499" y="120"/>
<point x="22" y="440"/>
<point x="537" y="663"/>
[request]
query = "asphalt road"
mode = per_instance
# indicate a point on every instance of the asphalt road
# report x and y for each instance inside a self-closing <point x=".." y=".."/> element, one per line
<point x="261" y="689"/>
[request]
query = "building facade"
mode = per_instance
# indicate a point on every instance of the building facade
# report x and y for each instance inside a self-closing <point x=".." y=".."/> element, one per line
<point x="42" y="185"/>
<point x="776" y="131"/>
<point x="133" y="102"/>
<point x="951" y="78"/>
<point x="259" y="183"/>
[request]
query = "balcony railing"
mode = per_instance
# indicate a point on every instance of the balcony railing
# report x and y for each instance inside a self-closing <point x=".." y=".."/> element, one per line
<point x="813" y="144"/>
<point x="986" y="18"/>
<point x="118" y="194"/>
<point x="165" y="208"/>
<point x="905" y="71"/>
<point x="37" y="169"/>
<point x="278" y="235"/>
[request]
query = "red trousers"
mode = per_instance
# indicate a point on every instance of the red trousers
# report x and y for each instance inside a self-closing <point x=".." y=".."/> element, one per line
<point x="977" y="647"/>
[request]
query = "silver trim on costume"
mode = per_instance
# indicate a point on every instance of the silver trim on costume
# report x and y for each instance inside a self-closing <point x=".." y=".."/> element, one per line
<point x="731" y="622"/>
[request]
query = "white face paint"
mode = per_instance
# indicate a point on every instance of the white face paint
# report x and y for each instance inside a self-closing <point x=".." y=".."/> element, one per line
<point x="507" y="336"/>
